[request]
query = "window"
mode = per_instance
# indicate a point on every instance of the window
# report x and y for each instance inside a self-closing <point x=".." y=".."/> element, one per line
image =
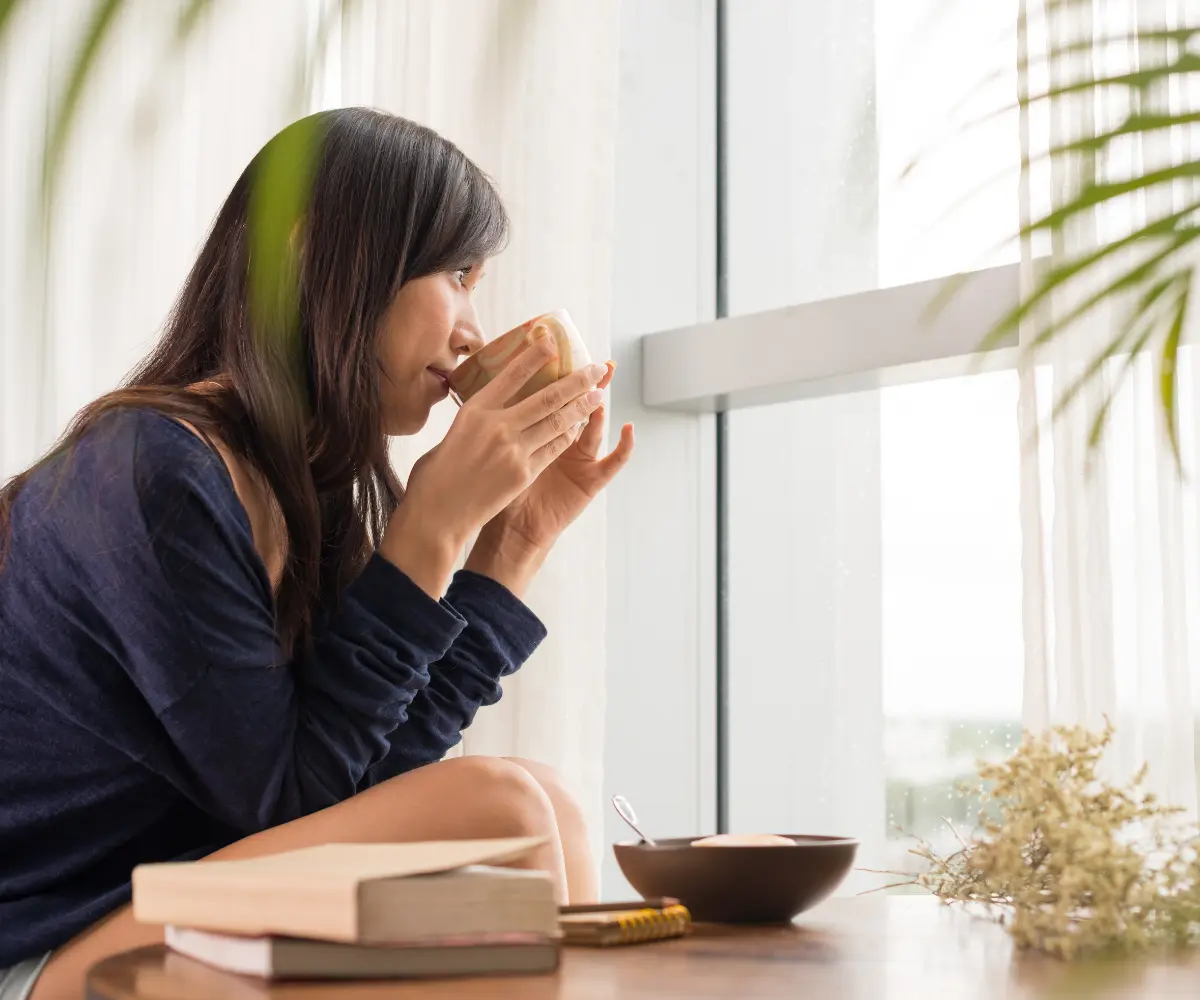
<point x="874" y="590"/>
<point x="873" y="537"/>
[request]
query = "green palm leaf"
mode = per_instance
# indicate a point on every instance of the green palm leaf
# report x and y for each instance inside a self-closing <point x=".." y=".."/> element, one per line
<point x="7" y="9"/>
<point x="100" y="24"/>
<point x="1181" y="37"/>
<point x="189" y="19"/>
<point x="1135" y="348"/>
<point x="1129" y="333"/>
<point x="1159" y="279"/>
<point x="1149" y="76"/>
<point x="1058" y="275"/>
<point x="278" y="203"/>
<point x="1129" y="281"/>
<point x="1168" y="375"/>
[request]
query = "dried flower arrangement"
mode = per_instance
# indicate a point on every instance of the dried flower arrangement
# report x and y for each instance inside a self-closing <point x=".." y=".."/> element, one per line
<point x="1069" y="864"/>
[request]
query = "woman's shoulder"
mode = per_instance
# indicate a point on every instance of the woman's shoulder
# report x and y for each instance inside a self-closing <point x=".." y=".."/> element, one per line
<point x="171" y="456"/>
<point x="132" y="435"/>
<point x="137" y="471"/>
<point x="173" y="463"/>
<point x="152" y="453"/>
<point x="132" y="485"/>
<point x="129" y="467"/>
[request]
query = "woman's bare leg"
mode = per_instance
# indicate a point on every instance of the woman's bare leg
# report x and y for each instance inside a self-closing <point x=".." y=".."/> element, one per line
<point x="463" y="798"/>
<point x="582" y="878"/>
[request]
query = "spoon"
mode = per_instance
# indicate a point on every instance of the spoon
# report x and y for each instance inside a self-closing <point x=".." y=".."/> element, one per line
<point x="625" y="811"/>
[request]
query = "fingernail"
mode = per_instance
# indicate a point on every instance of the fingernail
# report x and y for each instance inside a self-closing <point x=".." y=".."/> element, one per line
<point x="597" y="372"/>
<point x="595" y="397"/>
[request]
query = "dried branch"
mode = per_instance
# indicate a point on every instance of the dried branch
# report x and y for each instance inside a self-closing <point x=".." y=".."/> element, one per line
<point x="1073" y="865"/>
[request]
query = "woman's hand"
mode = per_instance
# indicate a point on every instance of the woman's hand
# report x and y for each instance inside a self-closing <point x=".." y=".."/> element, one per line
<point x="490" y="455"/>
<point x="513" y="545"/>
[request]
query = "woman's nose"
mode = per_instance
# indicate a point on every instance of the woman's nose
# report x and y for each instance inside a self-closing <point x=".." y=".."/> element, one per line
<point x="468" y="338"/>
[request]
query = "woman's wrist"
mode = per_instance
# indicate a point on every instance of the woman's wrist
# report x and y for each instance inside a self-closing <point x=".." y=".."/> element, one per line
<point x="424" y="552"/>
<point x="506" y="557"/>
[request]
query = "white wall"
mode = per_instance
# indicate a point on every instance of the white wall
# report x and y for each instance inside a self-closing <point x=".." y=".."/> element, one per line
<point x="659" y="724"/>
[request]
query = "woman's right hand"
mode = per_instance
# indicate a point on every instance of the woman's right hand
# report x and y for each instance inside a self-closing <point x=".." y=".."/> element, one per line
<point x="490" y="455"/>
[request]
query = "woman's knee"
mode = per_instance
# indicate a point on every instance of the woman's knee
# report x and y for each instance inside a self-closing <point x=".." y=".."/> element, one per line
<point x="552" y="783"/>
<point x="581" y="872"/>
<point x="511" y="800"/>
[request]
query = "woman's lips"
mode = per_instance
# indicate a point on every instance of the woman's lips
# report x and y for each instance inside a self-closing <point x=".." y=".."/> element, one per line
<point x="442" y="378"/>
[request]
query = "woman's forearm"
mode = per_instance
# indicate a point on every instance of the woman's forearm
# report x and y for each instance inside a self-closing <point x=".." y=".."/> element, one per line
<point x="424" y="553"/>
<point x="505" y="557"/>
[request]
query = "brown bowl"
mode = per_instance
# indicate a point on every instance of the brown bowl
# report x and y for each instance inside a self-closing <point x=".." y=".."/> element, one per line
<point x="739" y="885"/>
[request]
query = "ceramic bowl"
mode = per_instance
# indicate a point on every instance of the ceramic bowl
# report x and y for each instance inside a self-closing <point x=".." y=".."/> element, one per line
<point x="739" y="884"/>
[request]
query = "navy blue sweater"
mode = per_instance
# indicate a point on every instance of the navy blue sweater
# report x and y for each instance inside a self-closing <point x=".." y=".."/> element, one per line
<point x="146" y="711"/>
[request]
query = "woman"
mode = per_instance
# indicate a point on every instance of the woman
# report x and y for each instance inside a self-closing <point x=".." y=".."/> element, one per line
<point x="223" y="630"/>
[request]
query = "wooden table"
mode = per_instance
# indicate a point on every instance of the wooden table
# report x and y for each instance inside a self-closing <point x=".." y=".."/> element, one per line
<point x="873" y="948"/>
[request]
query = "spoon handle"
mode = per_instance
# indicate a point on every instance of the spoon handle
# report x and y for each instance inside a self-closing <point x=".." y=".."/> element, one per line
<point x="625" y="811"/>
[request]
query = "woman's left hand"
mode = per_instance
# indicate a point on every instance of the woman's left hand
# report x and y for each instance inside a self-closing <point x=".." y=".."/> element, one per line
<point x="561" y="493"/>
<point x="522" y="534"/>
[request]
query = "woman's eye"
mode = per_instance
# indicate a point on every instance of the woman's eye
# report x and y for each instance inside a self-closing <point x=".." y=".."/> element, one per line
<point x="462" y="274"/>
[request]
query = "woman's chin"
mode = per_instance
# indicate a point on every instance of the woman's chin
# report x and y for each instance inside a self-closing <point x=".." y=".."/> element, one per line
<point x="404" y="429"/>
<point x="403" y="424"/>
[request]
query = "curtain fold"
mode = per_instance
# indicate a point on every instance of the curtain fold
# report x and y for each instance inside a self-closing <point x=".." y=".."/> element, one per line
<point x="1109" y="570"/>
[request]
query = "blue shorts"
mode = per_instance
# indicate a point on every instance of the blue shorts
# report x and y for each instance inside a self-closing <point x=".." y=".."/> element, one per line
<point x="17" y="983"/>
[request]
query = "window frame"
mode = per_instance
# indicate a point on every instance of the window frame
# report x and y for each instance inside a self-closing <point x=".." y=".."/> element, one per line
<point x="867" y="340"/>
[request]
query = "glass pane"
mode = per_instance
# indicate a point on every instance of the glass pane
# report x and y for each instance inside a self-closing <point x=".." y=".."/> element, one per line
<point x="949" y="151"/>
<point x="806" y="745"/>
<point x="952" y="646"/>
<point x="875" y="609"/>
<point x="870" y="143"/>
<point x="801" y="166"/>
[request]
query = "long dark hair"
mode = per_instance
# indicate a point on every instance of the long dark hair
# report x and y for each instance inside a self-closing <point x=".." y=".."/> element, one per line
<point x="297" y="395"/>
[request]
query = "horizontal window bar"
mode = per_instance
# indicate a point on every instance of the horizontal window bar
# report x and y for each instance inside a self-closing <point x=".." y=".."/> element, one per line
<point x="861" y="341"/>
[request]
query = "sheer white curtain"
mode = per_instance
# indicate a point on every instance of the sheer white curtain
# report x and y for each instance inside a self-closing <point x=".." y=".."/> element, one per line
<point x="141" y="182"/>
<point x="1110" y="536"/>
<point x="528" y="89"/>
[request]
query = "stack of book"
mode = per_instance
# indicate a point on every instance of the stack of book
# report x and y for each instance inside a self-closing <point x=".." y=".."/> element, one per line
<point x="359" y="911"/>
